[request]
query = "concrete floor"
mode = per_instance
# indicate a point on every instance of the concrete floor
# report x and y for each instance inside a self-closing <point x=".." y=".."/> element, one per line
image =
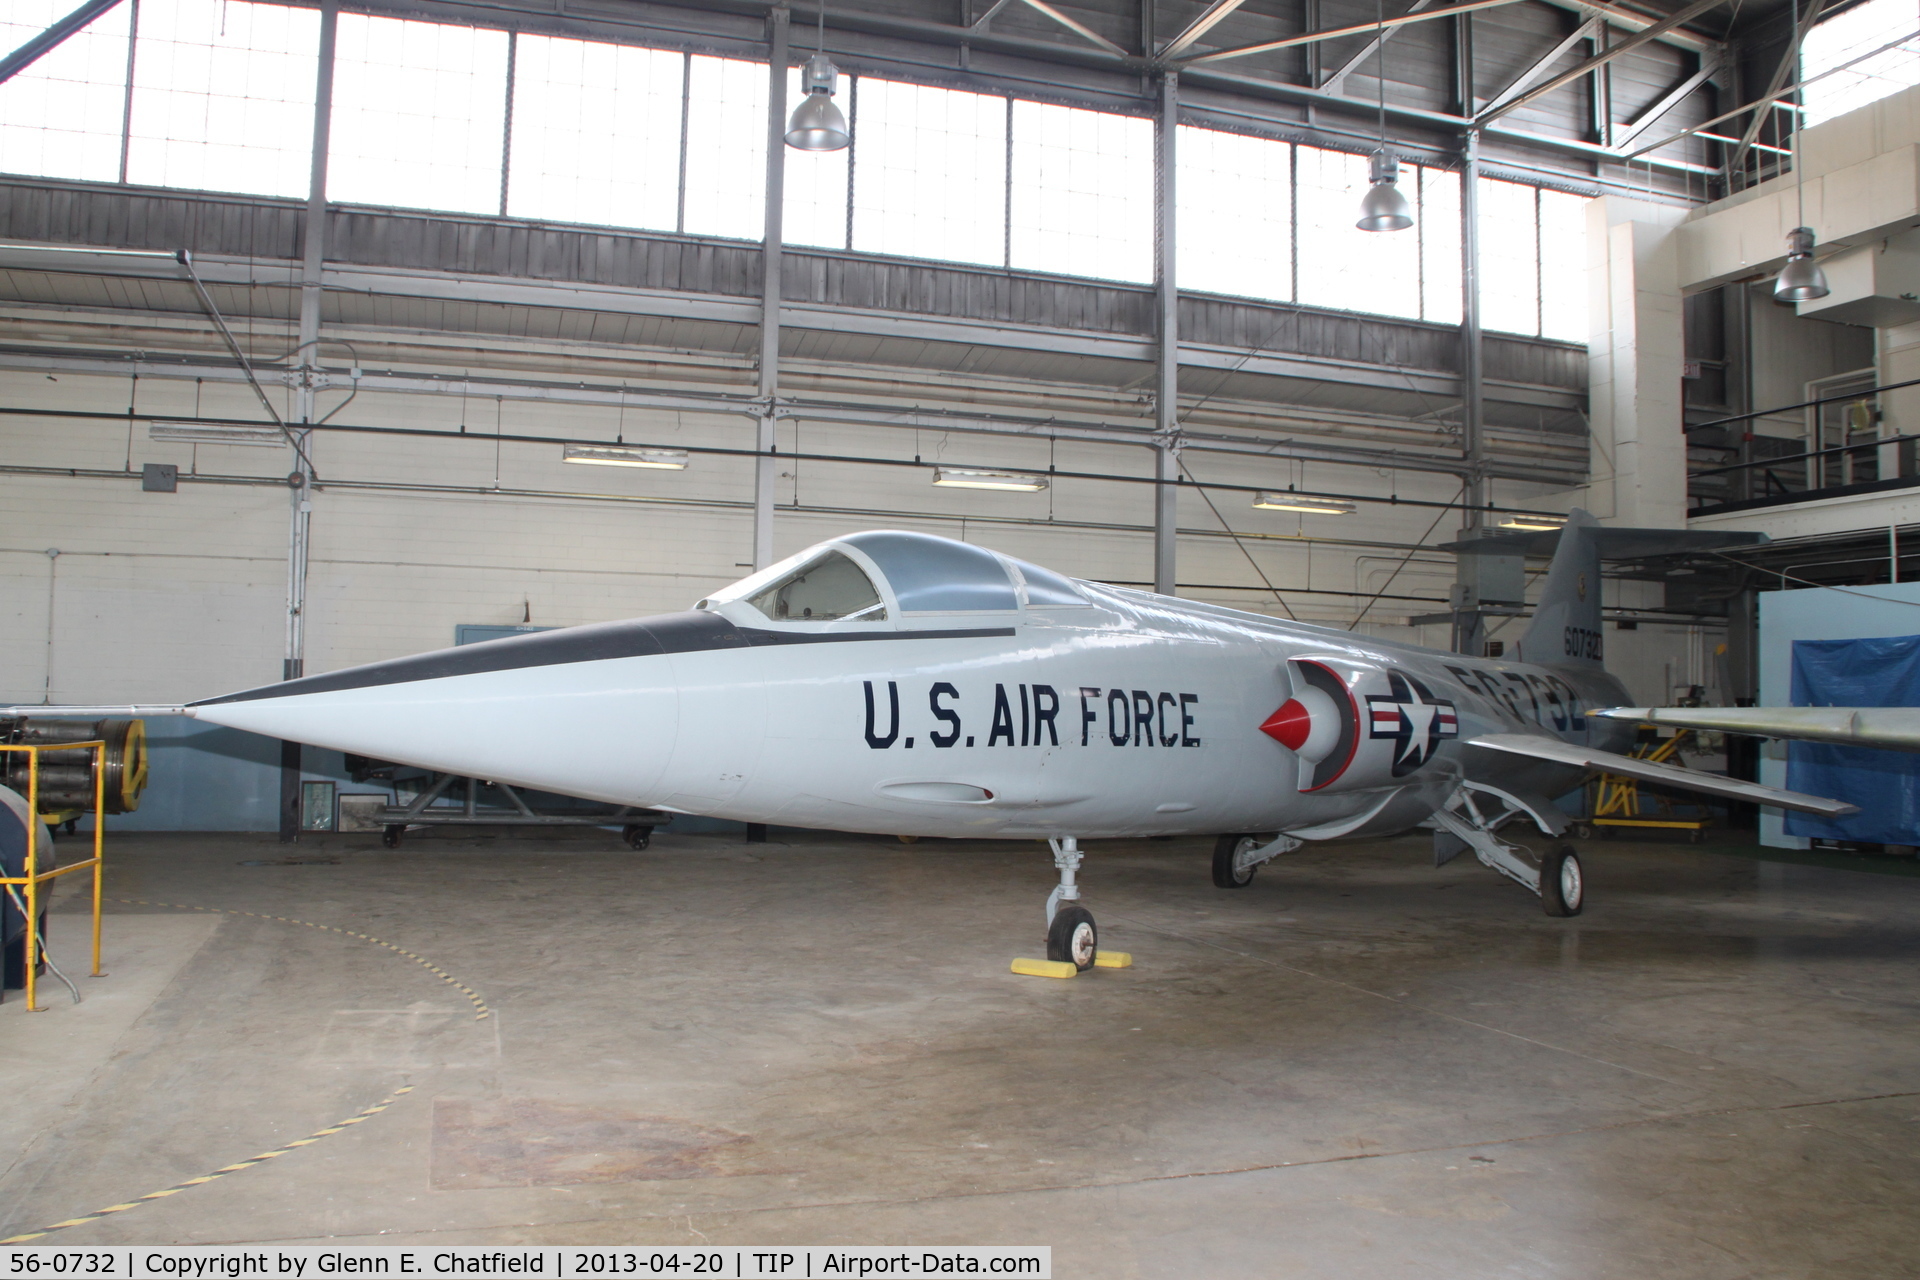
<point x="1358" y="1065"/>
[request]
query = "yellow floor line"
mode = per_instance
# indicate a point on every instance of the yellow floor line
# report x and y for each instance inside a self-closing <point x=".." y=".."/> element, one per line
<point x="480" y="1013"/>
<point x="480" y="1010"/>
<point x="221" y="1172"/>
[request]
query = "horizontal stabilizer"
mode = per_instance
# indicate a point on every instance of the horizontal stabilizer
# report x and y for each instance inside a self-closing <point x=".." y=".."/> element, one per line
<point x="1611" y="542"/>
<point x="1891" y="728"/>
<point x="1647" y="771"/>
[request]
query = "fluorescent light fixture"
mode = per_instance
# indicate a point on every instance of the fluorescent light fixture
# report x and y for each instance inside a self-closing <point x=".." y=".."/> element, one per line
<point x="207" y="433"/>
<point x="1302" y="503"/>
<point x="1006" y="481"/>
<point x="610" y="455"/>
<point x="1534" y="524"/>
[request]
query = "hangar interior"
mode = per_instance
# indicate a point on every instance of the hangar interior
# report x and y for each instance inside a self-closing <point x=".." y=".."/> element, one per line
<point x="308" y="312"/>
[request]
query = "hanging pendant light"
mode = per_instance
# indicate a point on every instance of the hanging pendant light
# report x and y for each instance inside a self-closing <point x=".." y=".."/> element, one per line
<point x="1801" y="280"/>
<point x="1384" y="207"/>
<point x="818" y="124"/>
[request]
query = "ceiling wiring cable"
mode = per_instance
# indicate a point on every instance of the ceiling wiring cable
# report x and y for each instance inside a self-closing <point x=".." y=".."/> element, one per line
<point x="1404" y="560"/>
<point x="1784" y="576"/>
<point x="1208" y="499"/>
<point x="185" y="259"/>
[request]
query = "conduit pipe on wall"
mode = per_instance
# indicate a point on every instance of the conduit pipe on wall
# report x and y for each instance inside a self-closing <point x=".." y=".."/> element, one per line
<point x="727" y="504"/>
<point x="497" y="437"/>
<point x="916" y="418"/>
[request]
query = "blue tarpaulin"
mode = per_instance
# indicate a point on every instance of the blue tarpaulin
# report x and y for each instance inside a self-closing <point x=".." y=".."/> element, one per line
<point x="1881" y="672"/>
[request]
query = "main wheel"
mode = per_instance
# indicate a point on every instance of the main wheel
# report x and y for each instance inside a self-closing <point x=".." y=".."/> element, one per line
<point x="1225" y="851"/>
<point x="637" y="836"/>
<point x="1563" y="889"/>
<point x="1073" y="936"/>
<point x="390" y="835"/>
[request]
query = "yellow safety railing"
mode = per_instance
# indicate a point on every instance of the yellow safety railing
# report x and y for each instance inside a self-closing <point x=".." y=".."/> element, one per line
<point x="29" y="884"/>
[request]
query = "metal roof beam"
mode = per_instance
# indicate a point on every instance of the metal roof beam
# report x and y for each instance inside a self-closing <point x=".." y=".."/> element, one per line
<point x="980" y="23"/>
<point x="1208" y="77"/>
<point x="1599" y="60"/>
<point x="1218" y="11"/>
<point x="1787" y="70"/>
<point x="52" y="38"/>
<point x="1633" y="20"/>
<point x="1773" y="98"/>
<point x="1519" y="84"/>
<point x="1075" y="26"/>
<point x="1336" y="33"/>
<point x="1625" y="135"/>
<point x="1336" y="82"/>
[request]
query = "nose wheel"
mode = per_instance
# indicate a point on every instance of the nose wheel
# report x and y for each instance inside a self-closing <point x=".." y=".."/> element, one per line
<point x="1073" y="937"/>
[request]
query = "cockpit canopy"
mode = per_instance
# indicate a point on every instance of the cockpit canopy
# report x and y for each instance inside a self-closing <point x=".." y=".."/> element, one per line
<point x="826" y="589"/>
<point x="888" y="575"/>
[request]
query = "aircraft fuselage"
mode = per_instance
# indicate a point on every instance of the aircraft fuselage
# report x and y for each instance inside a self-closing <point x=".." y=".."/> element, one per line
<point x="1126" y="714"/>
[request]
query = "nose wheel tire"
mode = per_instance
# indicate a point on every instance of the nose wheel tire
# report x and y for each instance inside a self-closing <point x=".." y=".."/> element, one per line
<point x="1563" y="886"/>
<point x="637" y="837"/>
<point x="1226" y="851"/>
<point x="1073" y="937"/>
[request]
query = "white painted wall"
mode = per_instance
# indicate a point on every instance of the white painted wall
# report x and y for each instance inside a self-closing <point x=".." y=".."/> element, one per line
<point x="1637" y="343"/>
<point x="163" y="597"/>
<point x="170" y="596"/>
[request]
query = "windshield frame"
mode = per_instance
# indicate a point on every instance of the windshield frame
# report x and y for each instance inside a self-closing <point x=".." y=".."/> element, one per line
<point x="732" y="601"/>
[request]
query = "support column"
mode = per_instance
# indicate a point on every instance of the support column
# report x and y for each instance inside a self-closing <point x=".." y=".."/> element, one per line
<point x="1166" y="472"/>
<point x="300" y="482"/>
<point x="764" y="472"/>
<point x="1639" y="466"/>
<point x="1469" y="624"/>
<point x="1472" y="379"/>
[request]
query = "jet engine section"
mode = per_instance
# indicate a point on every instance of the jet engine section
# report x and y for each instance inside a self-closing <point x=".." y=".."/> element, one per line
<point x="1357" y="726"/>
<point x="67" y="777"/>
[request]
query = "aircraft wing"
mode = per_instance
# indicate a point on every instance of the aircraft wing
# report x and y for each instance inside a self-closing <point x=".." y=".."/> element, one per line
<point x="87" y="712"/>
<point x="1892" y="728"/>
<point x="1712" y="784"/>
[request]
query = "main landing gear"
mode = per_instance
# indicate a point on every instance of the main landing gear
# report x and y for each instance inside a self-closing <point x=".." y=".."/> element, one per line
<point x="1236" y="858"/>
<point x="1469" y="821"/>
<point x="1071" y="934"/>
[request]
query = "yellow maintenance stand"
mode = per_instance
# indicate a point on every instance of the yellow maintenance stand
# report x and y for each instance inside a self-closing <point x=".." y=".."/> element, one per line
<point x="1618" y="802"/>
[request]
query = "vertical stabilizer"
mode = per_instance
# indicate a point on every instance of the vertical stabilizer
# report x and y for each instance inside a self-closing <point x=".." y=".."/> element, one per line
<point x="1566" y="622"/>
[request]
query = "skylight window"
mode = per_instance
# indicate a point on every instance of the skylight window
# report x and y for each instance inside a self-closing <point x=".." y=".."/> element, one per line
<point x="1837" y="41"/>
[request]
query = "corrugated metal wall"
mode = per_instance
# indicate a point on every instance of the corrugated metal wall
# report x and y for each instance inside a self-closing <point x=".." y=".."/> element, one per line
<point x="271" y="229"/>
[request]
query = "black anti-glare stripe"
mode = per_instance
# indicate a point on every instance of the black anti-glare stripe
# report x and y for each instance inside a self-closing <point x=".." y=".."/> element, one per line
<point x="693" y="631"/>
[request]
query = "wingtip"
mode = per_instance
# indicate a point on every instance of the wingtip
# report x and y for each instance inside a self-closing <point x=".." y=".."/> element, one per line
<point x="1624" y="713"/>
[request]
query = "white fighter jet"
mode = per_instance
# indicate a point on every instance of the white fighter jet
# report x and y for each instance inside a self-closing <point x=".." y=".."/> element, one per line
<point x="905" y="684"/>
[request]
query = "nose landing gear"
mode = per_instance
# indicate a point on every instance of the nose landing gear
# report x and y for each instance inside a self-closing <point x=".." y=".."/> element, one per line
<point x="1072" y="935"/>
